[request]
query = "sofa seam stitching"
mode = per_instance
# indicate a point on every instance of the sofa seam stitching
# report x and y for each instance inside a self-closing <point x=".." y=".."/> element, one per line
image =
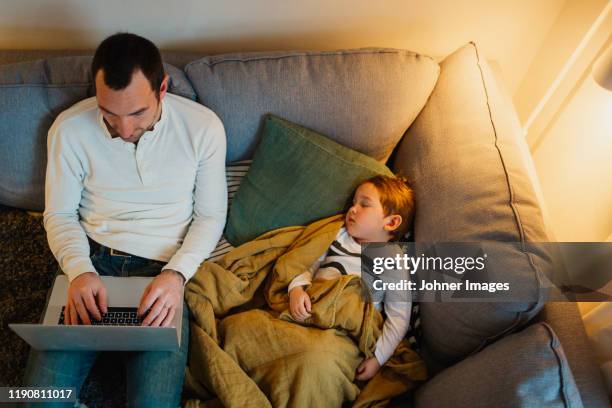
<point x="512" y="202"/>
<point x="44" y="85"/>
<point x="501" y="157"/>
<point x="517" y="218"/>
<point x="307" y="54"/>
<point x="554" y="344"/>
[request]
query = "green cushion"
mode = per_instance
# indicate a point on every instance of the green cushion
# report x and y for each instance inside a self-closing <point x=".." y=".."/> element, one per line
<point x="297" y="176"/>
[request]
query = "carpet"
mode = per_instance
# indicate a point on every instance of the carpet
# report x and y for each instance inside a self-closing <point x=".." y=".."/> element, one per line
<point x="27" y="269"/>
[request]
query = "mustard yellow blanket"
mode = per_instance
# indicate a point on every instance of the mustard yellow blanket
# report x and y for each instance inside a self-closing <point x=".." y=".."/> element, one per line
<point x="246" y="351"/>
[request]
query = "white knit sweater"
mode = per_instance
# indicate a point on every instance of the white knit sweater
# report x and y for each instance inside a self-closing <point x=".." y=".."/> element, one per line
<point x="164" y="198"/>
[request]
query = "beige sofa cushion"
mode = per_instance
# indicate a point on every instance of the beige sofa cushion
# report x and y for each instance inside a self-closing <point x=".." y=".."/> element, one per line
<point x="465" y="157"/>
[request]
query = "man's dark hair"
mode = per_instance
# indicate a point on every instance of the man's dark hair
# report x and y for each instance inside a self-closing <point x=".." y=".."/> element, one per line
<point x="123" y="53"/>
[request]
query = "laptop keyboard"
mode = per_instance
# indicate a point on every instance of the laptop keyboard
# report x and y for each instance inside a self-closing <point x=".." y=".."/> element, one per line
<point x="115" y="316"/>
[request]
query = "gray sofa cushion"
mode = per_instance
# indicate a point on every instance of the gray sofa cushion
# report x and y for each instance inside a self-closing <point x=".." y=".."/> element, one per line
<point x="565" y="319"/>
<point x="526" y="369"/>
<point x="465" y="158"/>
<point x="363" y="99"/>
<point x="32" y="94"/>
<point x="176" y="58"/>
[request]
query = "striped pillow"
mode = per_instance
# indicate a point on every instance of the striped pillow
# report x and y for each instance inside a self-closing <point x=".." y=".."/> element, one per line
<point x="234" y="173"/>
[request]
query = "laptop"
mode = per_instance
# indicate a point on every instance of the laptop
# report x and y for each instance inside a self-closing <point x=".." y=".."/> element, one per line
<point x="120" y="330"/>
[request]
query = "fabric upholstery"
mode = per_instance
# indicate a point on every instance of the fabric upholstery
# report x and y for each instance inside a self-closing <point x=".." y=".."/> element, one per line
<point x="525" y="369"/>
<point x="177" y="58"/>
<point x="364" y="99"/>
<point x="464" y="158"/>
<point x="565" y="319"/>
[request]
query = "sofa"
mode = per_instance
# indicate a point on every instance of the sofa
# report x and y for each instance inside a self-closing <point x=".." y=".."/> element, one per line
<point x="448" y="125"/>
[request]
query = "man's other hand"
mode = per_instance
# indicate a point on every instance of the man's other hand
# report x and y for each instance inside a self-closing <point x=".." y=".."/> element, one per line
<point x="86" y="297"/>
<point x="161" y="297"/>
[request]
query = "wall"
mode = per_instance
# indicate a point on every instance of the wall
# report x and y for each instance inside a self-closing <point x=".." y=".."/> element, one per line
<point x="567" y="120"/>
<point x="509" y="31"/>
<point x="574" y="164"/>
<point x="563" y="38"/>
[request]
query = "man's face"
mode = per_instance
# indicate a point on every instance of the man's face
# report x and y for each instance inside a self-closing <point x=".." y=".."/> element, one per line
<point x="131" y="111"/>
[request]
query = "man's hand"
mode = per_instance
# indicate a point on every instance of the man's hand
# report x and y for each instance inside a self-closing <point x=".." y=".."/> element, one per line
<point x="367" y="369"/>
<point x="299" y="304"/>
<point x="161" y="297"/>
<point x="86" y="295"/>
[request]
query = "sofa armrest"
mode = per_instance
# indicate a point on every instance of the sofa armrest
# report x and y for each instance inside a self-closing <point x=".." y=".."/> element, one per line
<point x="565" y="320"/>
<point x="524" y="369"/>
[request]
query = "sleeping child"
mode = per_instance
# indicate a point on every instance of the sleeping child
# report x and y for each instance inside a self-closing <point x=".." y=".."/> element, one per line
<point x="382" y="211"/>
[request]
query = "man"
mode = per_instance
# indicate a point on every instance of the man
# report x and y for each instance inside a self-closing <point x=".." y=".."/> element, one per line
<point x="136" y="180"/>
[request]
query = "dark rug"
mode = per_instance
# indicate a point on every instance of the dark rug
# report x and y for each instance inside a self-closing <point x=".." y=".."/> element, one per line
<point x="27" y="271"/>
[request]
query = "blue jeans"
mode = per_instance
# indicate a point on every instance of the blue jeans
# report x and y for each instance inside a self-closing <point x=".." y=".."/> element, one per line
<point x="154" y="378"/>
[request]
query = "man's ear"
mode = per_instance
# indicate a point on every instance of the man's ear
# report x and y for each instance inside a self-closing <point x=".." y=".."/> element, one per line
<point x="163" y="88"/>
<point x="393" y="222"/>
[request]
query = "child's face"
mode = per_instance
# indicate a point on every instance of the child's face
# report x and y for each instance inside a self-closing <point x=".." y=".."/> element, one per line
<point x="365" y="220"/>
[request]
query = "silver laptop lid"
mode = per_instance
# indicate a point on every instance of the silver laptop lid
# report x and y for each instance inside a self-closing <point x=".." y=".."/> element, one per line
<point x="118" y="338"/>
<point x="121" y="292"/>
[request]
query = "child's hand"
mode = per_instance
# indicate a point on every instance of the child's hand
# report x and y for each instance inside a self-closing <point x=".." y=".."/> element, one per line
<point x="367" y="369"/>
<point x="299" y="304"/>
